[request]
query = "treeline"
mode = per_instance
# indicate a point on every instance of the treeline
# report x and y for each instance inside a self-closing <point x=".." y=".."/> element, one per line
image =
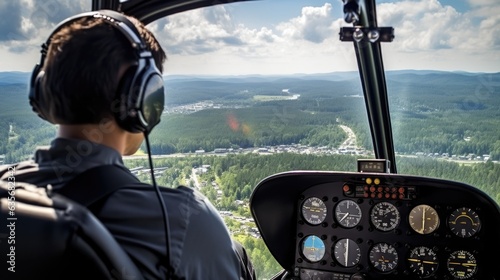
<point x="446" y="133"/>
<point x="446" y="113"/>
<point x="268" y="124"/>
<point x="28" y="130"/>
<point x="237" y="175"/>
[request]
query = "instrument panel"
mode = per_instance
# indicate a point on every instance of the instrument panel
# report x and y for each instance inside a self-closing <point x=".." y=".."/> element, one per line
<point x="332" y="225"/>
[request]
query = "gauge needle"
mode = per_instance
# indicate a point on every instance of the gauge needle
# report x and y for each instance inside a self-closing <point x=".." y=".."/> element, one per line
<point x="346" y="250"/>
<point x="423" y="220"/>
<point x="345" y="216"/>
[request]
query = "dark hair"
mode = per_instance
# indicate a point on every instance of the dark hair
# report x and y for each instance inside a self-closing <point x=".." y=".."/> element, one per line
<point x="82" y="65"/>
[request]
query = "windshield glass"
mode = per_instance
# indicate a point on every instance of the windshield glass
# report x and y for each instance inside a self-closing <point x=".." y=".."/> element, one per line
<point x="257" y="88"/>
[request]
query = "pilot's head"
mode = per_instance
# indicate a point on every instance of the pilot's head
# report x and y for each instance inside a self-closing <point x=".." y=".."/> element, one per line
<point x="91" y="68"/>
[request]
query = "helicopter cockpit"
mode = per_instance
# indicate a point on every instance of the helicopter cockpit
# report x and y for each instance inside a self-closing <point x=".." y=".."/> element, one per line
<point x="373" y="223"/>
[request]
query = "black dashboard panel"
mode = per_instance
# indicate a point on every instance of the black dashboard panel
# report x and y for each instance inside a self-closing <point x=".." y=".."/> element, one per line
<point x="338" y="225"/>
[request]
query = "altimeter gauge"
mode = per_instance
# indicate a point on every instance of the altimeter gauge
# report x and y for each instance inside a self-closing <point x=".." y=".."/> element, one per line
<point x="313" y="248"/>
<point x="348" y="213"/>
<point x="423" y="261"/>
<point x="462" y="264"/>
<point x="423" y="219"/>
<point x="385" y="216"/>
<point x="383" y="257"/>
<point x="464" y="222"/>
<point x="314" y="210"/>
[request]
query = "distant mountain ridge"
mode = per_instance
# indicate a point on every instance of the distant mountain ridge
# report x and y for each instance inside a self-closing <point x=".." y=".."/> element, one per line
<point x="8" y="78"/>
<point x="16" y="77"/>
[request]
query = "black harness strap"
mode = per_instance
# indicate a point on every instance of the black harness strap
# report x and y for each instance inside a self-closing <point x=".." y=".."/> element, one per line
<point x="97" y="183"/>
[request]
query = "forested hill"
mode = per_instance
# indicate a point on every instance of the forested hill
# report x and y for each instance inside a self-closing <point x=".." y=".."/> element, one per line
<point x="453" y="113"/>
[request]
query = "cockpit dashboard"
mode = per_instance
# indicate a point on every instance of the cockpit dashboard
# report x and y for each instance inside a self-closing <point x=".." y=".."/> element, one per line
<point x="357" y="225"/>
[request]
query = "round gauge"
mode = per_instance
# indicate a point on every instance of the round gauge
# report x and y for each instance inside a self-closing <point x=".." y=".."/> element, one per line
<point x="314" y="210"/>
<point x="313" y="274"/>
<point x="383" y="257"/>
<point x="424" y="219"/>
<point x="423" y="261"/>
<point x="462" y="264"/>
<point x="464" y="222"/>
<point x="348" y="213"/>
<point x="385" y="216"/>
<point x="347" y="252"/>
<point x="313" y="248"/>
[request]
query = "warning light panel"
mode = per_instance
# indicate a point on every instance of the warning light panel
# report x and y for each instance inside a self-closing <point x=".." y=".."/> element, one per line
<point x="380" y="191"/>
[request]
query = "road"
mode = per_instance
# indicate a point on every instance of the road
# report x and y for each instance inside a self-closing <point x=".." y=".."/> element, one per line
<point x="194" y="178"/>
<point x="350" y="143"/>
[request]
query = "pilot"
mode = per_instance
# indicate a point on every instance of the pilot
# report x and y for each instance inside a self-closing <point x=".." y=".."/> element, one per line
<point x="90" y="82"/>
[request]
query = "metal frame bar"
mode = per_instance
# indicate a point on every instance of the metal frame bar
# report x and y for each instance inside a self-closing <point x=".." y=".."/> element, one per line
<point x="371" y="72"/>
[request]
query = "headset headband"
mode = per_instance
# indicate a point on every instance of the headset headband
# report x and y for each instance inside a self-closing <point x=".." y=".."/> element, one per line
<point x="142" y="93"/>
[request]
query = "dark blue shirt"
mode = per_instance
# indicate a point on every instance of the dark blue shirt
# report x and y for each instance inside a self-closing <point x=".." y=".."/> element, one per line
<point x="201" y="247"/>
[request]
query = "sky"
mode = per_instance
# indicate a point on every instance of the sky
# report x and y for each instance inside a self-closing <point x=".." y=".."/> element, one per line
<point x="282" y="36"/>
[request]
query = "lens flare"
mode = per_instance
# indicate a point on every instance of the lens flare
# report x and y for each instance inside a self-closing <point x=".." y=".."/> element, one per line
<point x="246" y="129"/>
<point x="233" y="122"/>
<point x="235" y="125"/>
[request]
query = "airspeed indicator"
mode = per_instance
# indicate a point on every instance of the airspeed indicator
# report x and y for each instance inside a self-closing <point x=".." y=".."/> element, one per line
<point x="314" y="210"/>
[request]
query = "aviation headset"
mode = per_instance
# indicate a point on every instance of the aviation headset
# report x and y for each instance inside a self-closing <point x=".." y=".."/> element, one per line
<point x="140" y="95"/>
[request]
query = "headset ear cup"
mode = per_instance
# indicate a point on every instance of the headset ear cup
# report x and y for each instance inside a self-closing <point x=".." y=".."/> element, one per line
<point x="36" y="95"/>
<point x="125" y="114"/>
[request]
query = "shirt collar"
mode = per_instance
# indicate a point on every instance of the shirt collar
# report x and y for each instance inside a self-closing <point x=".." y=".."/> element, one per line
<point x="77" y="154"/>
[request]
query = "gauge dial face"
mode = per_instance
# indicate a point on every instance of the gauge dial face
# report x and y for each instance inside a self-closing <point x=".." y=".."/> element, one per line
<point x="347" y="252"/>
<point x="313" y="248"/>
<point x="383" y="257"/>
<point x="313" y="274"/>
<point x="423" y="261"/>
<point x="385" y="216"/>
<point x="462" y="264"/>
<point x="348" y="213"/>
<point x="314" y="210"/>
<point x="424" y="219"/>
<point x="464" y="222"/>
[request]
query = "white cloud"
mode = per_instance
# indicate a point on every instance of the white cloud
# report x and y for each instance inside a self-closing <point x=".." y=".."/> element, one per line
<point x="315" y="24"/>
<point x="427" y="25"/>
<point x="25" y="25"/>
<point x="429" y="34"/>
<point x="210" y="40"/>
<point x="198" y="31"/>
<point x="297" y="45"/>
